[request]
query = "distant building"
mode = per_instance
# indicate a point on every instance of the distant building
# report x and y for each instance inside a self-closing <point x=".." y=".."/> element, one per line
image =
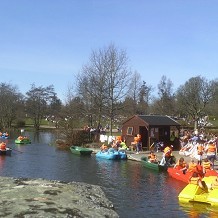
<point x="152" y="128"/>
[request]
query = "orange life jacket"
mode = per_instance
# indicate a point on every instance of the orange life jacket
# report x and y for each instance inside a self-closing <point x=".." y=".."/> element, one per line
<point x="200" y="149"/>
<point x="211" y="148"/>
<point x="192" y="167"/>
<point x="194" y="180"/>
<point x="118" y="139"/>
<point x="206" y="165"/>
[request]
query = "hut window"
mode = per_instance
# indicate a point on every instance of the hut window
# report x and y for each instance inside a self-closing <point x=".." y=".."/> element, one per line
<point x="129" y="130"/>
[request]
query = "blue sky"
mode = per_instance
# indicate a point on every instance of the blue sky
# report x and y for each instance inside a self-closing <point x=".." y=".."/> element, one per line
<point x="48" y="41"/>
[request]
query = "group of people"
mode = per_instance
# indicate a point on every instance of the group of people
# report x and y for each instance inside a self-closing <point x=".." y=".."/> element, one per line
<point x="22" y="138"/>
<point x="116" y="144"/>
<point x="196" y="169"/>
<point x="201" y="149"/>
<point x="168" y="157"/>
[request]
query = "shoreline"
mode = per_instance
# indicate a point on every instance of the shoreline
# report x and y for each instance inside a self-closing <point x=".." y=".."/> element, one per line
<point x="131" y="155"/>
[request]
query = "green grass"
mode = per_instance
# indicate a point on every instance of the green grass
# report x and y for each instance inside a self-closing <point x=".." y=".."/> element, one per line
<point x="214" y="122"/>
<point x="30" y="122"/>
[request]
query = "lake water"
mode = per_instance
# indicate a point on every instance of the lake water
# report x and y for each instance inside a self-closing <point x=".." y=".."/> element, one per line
<point x="134" y="190"/>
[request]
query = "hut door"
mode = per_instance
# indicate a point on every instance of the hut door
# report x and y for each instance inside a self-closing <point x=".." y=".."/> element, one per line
<point x="164" y="134"/>
<point x="144" y="133"/>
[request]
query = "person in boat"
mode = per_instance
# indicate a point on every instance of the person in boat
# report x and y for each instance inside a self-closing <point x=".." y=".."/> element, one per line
<point x="3" y="146"/>
<point x="168" y="154"/>
<point x="104" y="148"/>
<point x="115" y="145"/>
<point x="123" y="145"/>
<point x="192" y="166"/>
<point x="211" y="152"/>
<point x="117" y="142"/>
<point x="207" y="165"/>
<point x="6" y="134"/>
<point x="20" y="137"/>
<point x="196" y="179"/>
<point x="199" y="170"/>
<point x="152" y="157"/>
<point x="181" y="165"/>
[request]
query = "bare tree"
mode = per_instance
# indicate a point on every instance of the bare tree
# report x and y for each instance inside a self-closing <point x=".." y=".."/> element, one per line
<point x="165" y="103"/>
<point x="118" y="76"/>
<point x="104" y="82"/>
<point x="134" y="89"/>
<point x="92" y="85"/>
<point x="194" y="96"/>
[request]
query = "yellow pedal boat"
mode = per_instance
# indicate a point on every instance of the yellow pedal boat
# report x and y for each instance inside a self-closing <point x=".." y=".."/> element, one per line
<point x="207" y="194"/>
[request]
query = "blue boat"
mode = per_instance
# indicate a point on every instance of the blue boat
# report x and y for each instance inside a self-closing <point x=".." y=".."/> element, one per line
<point x="4" y="135"/>
<point x="123" y="155"/>
<point x="112" y="154"/>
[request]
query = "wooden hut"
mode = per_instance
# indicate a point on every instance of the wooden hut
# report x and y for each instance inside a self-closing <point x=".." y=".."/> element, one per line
<point x="152" y="128"/>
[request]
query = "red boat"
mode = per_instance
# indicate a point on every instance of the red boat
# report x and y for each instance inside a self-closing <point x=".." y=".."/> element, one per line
<point x="179" y="175"/>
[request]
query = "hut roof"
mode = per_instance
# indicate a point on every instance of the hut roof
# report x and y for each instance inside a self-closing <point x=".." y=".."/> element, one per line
<point x="158" y="120"/>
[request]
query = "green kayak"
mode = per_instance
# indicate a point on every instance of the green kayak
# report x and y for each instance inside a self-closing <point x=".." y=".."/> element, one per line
<point x="153" y="165"/>
<point x="80" y="150"/>
<point x="23" y="141"/>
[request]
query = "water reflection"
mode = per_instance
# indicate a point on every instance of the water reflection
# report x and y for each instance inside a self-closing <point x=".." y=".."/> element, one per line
<point x="2" y="161"/>
<point x="195" y="209"/>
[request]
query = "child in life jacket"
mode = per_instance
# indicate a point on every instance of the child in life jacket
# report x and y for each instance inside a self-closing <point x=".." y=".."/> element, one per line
<point x="181" y="165"/>
<point x="152" y="157"/>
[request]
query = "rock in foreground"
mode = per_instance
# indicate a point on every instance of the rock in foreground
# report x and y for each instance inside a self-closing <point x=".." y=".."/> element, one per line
<point x="44" y="198"/>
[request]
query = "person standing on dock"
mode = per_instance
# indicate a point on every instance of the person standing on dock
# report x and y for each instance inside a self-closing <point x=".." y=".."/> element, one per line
<point x="211" y="152"/>
<point x="138" y="141"/>
<point x="200" y="151"/>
